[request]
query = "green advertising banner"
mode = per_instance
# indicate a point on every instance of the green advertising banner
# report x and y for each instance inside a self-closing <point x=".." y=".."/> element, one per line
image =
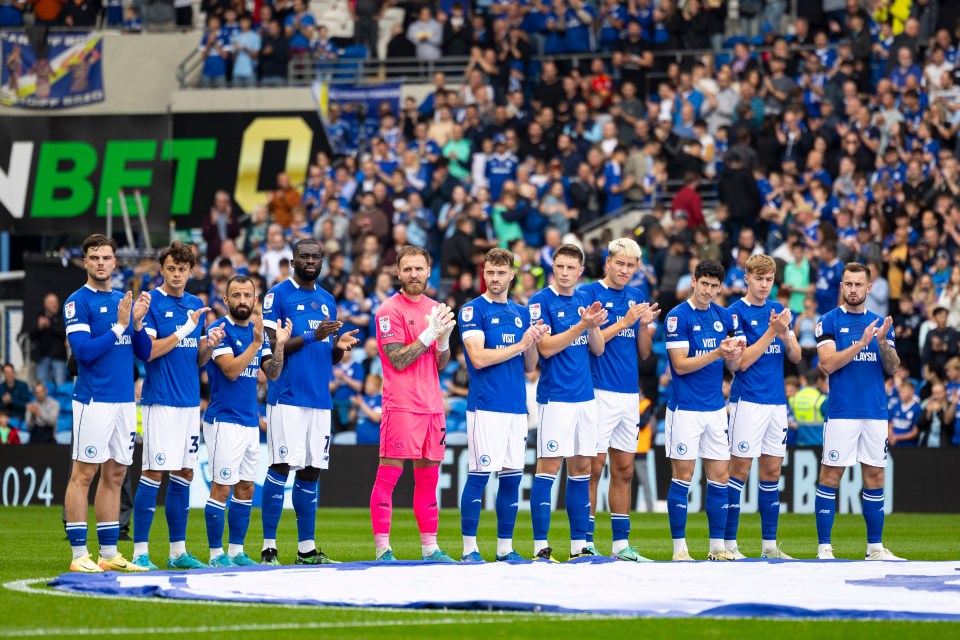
<point x="58" y="173"/>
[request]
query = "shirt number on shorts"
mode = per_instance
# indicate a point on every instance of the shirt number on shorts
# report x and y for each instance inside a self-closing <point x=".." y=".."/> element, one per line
<point x="194" y="444"/>
<point x="326" y="444"/>
<point x="784" y="436"/>
<point x="133" y="440"/>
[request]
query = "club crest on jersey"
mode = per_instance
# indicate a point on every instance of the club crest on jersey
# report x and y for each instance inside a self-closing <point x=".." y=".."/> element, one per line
<point x="819" y="331"/>
<point x="467" y="314"/>
<point x="671" y="325"/>
<point x="518" y="322"/>
<point x="630" y="303"/>
<point x="736" y="321"/>
<point x="324" y="310"/>
<point x="70" y="310"/>
<point x="718" y="326"/>
<point x="384" y="322"/>
<point x="535" y="311"/>
<point x="268" y="301"/>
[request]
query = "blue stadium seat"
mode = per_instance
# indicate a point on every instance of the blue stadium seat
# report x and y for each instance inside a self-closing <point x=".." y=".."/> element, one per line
<point x="51" y="387"/>
<point x="721" y="59"/>
<point x="346" y="70"/>
<point x="345" y="438"/>
<point x="65" y="422"/>
<point x="66" y="389"/>
<point x="734" y="40"/>
<point x="66" y="403"/>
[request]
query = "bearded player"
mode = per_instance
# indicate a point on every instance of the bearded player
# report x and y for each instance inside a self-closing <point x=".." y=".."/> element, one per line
<point x="413" y="338"/>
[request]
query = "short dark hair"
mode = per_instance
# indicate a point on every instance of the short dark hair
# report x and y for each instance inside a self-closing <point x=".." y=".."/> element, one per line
<point x="96" y="241"/>
<point x="709" y="269"/>
<point x="498" y="258"/>
<point x="854" y="267"/>
<point x="180" y="253"/>
<point x="569" y="250"/>
<point x="303" y="242"/>
<point x="410" y="250"/>
<point x="240" y="280"/>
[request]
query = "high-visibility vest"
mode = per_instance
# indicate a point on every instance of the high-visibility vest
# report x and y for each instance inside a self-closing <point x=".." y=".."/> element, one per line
<point x="807" y="407"/>
<point x="646" y="436"/>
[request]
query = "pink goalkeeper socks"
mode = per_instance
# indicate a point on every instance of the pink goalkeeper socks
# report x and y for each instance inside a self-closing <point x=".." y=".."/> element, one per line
<point x="381" y="502"/>
<point x="425" y="500"/>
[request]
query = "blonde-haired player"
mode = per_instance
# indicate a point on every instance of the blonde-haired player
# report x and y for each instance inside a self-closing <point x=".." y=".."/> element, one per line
<point x="758" y="402"/>
<point x="616" y="384"/>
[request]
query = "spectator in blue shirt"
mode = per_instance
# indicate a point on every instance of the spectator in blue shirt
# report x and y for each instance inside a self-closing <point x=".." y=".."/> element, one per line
<point x="246" y="50"/>
<point x="215" y="49"/>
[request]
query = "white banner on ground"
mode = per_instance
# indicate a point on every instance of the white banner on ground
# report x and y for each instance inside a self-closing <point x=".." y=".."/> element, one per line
<point x="819" y="589"/>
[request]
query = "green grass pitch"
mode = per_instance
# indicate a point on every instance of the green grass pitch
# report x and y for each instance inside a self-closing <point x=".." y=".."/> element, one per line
<point x="34" y="549"/>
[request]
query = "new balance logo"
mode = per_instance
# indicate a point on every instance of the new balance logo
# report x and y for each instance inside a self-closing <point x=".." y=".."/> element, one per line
<point x="476" y="501"/>
<point x="300" y="307"/>
<point x="827" y="511"/>
<point x="515" y="504"/>
<point x="168" y="314"/>
<point x="152" y="509"/>
<point x="276" y="495"/>
<point x="680" y="505"/>
<point x="544" y="504"/>
<point x="383" y="504"/>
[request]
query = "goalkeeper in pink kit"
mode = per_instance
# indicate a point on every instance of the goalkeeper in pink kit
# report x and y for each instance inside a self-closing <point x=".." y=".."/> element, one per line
<point x="413" y="337"/>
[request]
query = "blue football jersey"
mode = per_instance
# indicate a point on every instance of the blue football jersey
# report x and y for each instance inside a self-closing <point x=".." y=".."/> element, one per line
<point x="305" y="378"/>
<point x="904" y="418"/>
<point x="618" y="368"/>
<point x="502" y="387"/>
<point x="368" y="431"/>
<point x="235" y="401"/>
<point x="827" y="291"/>
<point x="565" y="376"/>
<point x="172" y="380"/>
<point x="762" y="382"/>
<point x="89" y="315"/>
<point x="856" y="389"/>
<point x="698" y="332"/>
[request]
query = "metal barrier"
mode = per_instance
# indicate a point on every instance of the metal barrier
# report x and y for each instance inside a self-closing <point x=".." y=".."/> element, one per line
<point x="304" y="70"/>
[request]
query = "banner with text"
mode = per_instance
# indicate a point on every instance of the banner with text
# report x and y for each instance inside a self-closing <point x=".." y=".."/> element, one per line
<point x="360" y="107"/>
<point x="58" y="173"/>
<point x="65" y="71"/>
<point x="38" y="475"/>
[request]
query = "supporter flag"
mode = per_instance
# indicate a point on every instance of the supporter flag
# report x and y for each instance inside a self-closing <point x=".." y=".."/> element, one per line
<point x="66" y="71"/>
<point x="360" y="105"/>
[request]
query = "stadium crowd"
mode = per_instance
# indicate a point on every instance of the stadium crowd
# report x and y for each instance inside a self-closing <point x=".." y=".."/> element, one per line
<point x="835" y="143"/>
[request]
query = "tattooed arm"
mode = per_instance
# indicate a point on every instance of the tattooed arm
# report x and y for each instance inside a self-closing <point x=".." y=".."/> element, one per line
<point x="888" y="356"/>
<point x="442" y="358"/>
<point x="402" y="356"/>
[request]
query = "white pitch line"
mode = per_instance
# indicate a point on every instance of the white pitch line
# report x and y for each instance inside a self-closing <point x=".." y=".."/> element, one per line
<point x="292" y="626"/>
<point x="466" y="615"/>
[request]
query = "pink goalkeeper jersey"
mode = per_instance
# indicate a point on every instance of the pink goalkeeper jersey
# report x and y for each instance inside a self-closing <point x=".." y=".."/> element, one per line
<point x="416" y="389"/>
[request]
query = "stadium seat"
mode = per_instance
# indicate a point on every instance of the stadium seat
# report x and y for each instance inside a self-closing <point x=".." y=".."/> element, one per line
<point x="64" y="437"/>
<point x="457" y="438"/>
<point x="65" y="423"/>
<point x="345" y="438"/>
<point x="66" y="389"/>
<point x="734" y="40"/>
<point x="66" y="403"/>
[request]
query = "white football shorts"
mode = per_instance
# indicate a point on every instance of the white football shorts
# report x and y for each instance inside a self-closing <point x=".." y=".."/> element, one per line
<point x="618" y="421"/>
<point x="234" y="452"/>
<point x="104" y="431"/>
<point x="849" y="441"/>
<point x="496" y="441"/>
<point x="758" y="428"/>
<point x="171" y="437"/>
<point x="567" y="429"/>
<point x="697" y="434"/>
<point x="298" y="436"/>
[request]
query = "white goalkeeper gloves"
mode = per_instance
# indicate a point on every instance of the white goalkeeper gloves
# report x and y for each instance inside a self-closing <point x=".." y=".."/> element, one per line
<point x="440" y="323"/>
